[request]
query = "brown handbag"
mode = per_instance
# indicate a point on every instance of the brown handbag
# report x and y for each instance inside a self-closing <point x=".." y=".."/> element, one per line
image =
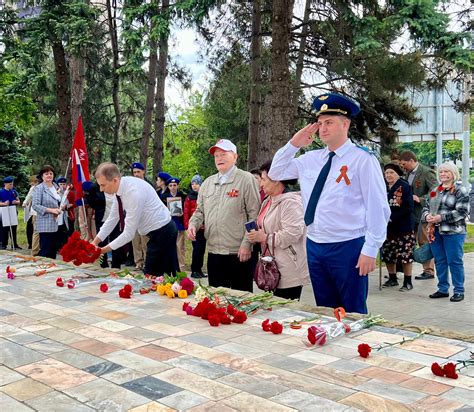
<point x="267" y="276"/>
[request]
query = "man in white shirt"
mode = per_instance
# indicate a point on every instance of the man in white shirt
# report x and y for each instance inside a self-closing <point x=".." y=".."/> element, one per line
<point x="345" y="200"/>
<point x="145" y="213"/>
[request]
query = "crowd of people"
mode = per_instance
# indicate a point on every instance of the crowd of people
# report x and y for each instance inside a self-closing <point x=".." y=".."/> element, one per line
<point x="327" y="233"/>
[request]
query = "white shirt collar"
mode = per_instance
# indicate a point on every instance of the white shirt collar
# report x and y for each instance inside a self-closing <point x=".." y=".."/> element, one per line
<point x="340" y="151"/>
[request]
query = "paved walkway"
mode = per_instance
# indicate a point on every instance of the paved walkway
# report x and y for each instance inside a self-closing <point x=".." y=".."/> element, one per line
<point x="83" y="350"/>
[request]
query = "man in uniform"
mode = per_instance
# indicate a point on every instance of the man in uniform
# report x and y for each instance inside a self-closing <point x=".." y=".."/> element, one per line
<point x="422" y="179"/>
<point x="8" y="197"/>
<point x="136" y="207"/>
<point x="345" y="200"/>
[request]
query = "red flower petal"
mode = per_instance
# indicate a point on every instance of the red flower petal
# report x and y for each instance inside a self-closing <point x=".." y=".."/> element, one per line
<point x="104" y="287"/>
<point x="59" y="282"/>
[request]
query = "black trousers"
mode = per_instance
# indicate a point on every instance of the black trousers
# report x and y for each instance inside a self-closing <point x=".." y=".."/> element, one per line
<point x="199" y="248"/>
<point x="6" y="236"/>
<point x="228" y="271"/>
<point x="49" y="244"/>
<point x="29" y="232"/>
<point x="161" y="255"/>
<point x="289" y="293"/>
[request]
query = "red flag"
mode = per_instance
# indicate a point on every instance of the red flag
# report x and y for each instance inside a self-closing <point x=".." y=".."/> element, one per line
<point x="80" y="160"/>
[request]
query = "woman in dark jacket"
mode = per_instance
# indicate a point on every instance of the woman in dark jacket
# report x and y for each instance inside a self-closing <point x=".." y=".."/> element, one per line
<point x="400" y="243"/>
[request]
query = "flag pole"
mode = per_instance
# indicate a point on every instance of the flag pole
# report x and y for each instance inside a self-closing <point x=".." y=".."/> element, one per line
<point x="67" y="167"/>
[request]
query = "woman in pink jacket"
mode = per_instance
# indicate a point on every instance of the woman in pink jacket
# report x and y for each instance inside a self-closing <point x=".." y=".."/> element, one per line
<point x="281" y="223"/>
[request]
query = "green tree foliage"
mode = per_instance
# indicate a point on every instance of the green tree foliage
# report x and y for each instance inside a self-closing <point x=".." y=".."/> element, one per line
<point x="186" y="144"/>
<point x="13" y="154"/>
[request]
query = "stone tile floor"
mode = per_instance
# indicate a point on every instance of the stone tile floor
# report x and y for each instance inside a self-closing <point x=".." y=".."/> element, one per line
<point x="82" y="350"/>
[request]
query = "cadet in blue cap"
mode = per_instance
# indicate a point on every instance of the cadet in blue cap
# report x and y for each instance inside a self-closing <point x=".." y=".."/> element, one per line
<point x="175" y="199"/>
<point x="138" y="170"/>
<point x="346" y="208"/>
<point x="8" y="197"/>
<point x="161" y="187"/>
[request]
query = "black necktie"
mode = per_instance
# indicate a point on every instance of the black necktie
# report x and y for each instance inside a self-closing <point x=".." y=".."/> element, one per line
<point x="317" y="189"/>
<point x="121" y="214"/>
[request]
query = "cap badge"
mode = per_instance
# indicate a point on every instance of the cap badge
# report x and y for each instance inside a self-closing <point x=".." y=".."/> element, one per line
<point x="323" y="97"/>
<point x="324" y="107"/>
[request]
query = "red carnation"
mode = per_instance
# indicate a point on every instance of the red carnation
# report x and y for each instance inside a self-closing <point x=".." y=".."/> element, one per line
<point x="276" y="328"/>
<point x="185" y="305"/>
<point x="317" y="334"/>
<point x="225" y="320"/>
<point x="59" y="282"/>
<point x="104" y="288"/>
<point x="71" y="284"/>
<point x="266" y="325"/>
<point x="214" y="320"/>
<point x="364" y="350"/>
<point x="231" y="310"/>
<point x="126" y="292"/>
<point x="449" y="370"/>
<point x="239" y="317"/>
<point x="433" y="194"/>
<point x="437" y="369"/>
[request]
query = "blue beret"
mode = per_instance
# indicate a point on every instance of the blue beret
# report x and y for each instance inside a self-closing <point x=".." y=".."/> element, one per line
<point x="8" y="179"/>
<point x="61" y="179"/>
<point x="164" y="176"/>
<point x="138" y="165"/>
<point x="87" y="186"/>
<point x="335" y="103"/>
<point x="172" y="180"/>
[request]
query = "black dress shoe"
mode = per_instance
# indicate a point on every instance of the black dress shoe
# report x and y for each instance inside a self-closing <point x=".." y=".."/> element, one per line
<point x="424" y="276"/>
<point x="439" y="294"/>
<point x="457" y="297"/>
<point x="390" y="282"/>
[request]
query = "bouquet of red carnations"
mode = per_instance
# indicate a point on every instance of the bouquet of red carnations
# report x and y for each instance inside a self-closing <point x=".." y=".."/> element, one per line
<point x="79" y="251"/>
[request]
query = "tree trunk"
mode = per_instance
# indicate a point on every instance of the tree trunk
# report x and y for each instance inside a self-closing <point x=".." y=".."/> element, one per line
<point x="278" y="101"/>
<point x="63" y="102"/>
<point x="161" y="74"/>
<point x="77" y="68"/>
<point x="296" y="93"/>
<point x="255" y="90"/>
<point x="150" y="94"/>
<point x="112" y="21"/>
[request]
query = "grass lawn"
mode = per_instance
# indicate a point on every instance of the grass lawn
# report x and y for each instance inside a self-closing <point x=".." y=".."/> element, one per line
<point x="468" y="246"/>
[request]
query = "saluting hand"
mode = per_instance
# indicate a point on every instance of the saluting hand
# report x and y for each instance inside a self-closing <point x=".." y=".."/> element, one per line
<point x="304" y="137"/>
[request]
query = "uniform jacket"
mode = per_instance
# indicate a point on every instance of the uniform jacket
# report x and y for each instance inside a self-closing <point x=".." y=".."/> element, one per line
<point x="43" y="199"/>
<point x="425" y="179"/>
<point x="285" y="219"/>
<point x="400" y="200"/>
<point x="224" y="210"/>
